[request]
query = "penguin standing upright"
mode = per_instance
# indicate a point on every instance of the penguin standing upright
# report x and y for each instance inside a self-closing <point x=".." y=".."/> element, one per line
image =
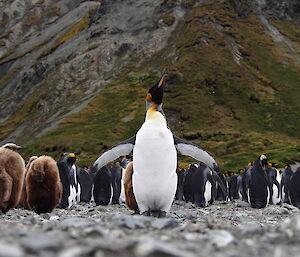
<point x="294" y="188"/>
<point x="69" y="179"/>
<point x="154" y="160"/>
<point x="221" y="195"/>
<point x="232" y="186"/>
<point x="116" y="180"/>
<point x="258" y="184"/>
<point x="154" y="157"/>
<point x="286" y="184"/>
<point x="180" y="184"/>
<point x="274" y="186"/>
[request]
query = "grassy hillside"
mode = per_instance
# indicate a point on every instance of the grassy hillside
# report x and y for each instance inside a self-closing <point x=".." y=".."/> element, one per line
<point x="234" y="109"/>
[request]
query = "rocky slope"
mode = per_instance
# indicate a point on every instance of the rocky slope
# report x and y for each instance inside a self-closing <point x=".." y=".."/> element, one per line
<point x="224" y="229"/>
<point x="73" y="74"/>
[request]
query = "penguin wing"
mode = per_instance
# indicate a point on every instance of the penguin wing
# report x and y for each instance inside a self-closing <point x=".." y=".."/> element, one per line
<point x="123" y="148"/>
<point x="194" y="151"/>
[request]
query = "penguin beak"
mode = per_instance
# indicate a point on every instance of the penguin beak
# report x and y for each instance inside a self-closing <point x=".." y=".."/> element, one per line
<point x="161" y="82"/>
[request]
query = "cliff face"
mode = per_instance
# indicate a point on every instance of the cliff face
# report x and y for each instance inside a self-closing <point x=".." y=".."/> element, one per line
<point x="73" y="74"/>
<point x="57" y="55"/>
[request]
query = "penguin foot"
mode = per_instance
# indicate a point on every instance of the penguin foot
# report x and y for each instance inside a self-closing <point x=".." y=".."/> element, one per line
<point x="146" y="213"/>
<point x="159" y="214"/>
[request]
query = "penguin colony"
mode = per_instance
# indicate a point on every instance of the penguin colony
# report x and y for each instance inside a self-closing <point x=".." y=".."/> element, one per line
<point x="147" y="181"/>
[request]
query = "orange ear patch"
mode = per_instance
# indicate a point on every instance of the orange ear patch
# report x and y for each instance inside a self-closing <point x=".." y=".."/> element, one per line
<point x="149" y="97"/>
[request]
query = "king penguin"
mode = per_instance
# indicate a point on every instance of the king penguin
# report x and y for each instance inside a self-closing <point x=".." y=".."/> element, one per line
<point x="154" y="160"/>
<point x="154" y="157"/>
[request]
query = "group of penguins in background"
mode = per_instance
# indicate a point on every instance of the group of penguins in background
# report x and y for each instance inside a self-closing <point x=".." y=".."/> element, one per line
<point x="142" y="174"/>
<point x="48" y="184"/>
<point x="260" y="184"/>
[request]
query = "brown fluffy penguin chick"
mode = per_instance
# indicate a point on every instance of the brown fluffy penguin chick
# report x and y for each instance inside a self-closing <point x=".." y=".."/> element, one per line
<point x="23" y="200"/>
<point x="43" y="186"/>
<point x="128" y="188"/>
<point x="12" y="171"/>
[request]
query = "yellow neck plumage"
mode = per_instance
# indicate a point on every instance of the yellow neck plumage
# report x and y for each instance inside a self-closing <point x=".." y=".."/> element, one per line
<point x="153" y="115"/>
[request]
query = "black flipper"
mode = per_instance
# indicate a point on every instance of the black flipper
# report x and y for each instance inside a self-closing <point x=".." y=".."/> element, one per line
<point x="123" y="148"/>
<point x="194" y="151"/>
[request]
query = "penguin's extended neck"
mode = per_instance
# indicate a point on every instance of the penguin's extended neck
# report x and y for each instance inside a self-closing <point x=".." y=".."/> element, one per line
<point x="155" y="116"/>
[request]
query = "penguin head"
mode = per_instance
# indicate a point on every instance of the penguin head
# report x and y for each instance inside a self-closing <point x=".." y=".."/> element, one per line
<point x="263" y="160"/>
<point x="241" y="171"/>
<point x="155" y="94"/>
<point x="71" y="158"/>
<point x="12" y="146"/>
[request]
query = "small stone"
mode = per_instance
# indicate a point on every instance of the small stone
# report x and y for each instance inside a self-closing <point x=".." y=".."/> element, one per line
<point x="45" y="216"/>
<point x="10" y="250"/>
<point x="272" y="238"/>
<point x="54" y="218"/>
<point x="250" y="228"/>
<point x="94" y="232"/>
<point x="80" y="251"/>
<point x="240" y="203"/>
<point x="164" y="223"/>
<point x="221" y="238"/>
<point x="41" y="241"/>
<point x="133" y="222"/>
<point x="154" y="248"/>
<point x="77" y="222"/>
<point x="193" y="227"/>
<point x="291" y="228"/>
<point x="186" y="214"/>
<point x="242" y="217"/>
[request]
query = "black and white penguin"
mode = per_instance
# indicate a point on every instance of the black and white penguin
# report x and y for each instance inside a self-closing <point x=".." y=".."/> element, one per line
<point x="154" y="157"/>
<point x="116" y="180"/>
<point x="243" y="177"/>
<point x="286" y="184"/>
<point x="86" y="184"/>
<point x="274" y="184"/>
<point x="102" y="187"/>
<point x="232" y="180"/>
<point x="187" y="185"/>
<point x="221" y="195"/>
<point x="69" y="179"/>
<point x="180" y="183"/>
<point x="295" y="188"/>
<point x="203" y="183"/>
<point x="258" y="184"/>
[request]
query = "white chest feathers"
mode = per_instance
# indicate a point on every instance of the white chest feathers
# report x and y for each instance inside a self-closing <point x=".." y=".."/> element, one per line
<point x="154" y="165"/>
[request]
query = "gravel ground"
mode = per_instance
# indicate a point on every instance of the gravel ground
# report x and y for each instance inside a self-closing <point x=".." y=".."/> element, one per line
<point x="223" y="229"/>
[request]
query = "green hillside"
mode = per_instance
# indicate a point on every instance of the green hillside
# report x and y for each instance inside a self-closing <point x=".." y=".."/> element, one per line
<point x="234" y="108"/>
